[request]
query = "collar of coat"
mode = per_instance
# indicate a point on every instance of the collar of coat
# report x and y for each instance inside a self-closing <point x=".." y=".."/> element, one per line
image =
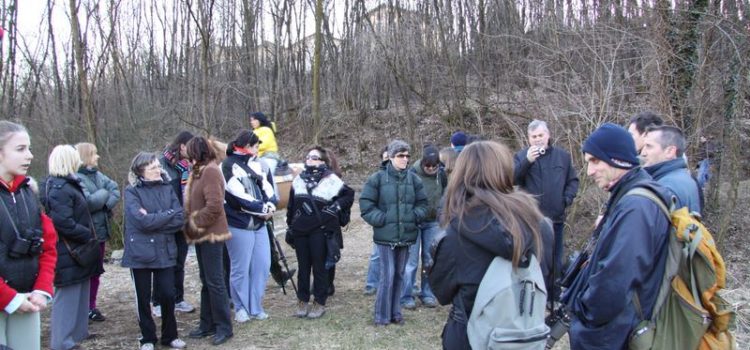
<point x="328" y="187"/>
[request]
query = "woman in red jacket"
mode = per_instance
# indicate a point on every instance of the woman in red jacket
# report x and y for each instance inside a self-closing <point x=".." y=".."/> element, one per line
<point x="27" y="244"/>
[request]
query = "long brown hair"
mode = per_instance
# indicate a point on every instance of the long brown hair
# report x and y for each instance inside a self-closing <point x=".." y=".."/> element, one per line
<point x="199" y="151"/>
<point x="483" y="177"/>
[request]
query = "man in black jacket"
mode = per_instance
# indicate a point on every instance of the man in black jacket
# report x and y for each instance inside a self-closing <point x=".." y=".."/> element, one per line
<point x="547" y="172"/>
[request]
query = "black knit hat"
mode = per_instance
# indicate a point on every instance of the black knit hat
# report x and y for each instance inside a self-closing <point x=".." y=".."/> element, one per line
<point x="612" y="144"/>
<point x="431" y="155"/>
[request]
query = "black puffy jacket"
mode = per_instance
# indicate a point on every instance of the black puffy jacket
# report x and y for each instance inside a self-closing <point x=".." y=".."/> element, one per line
<point x="66" y="206"/>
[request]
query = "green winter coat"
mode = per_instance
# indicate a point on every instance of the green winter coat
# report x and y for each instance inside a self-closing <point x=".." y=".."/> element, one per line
<point x="393" y="202"/>
<point x="434" y="186"/>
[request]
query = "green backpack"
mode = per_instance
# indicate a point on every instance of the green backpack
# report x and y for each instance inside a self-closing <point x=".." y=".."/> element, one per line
<point x="689" y="312"/>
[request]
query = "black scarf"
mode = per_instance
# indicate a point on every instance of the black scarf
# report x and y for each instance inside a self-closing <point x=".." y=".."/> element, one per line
<point x="313" y="174"/>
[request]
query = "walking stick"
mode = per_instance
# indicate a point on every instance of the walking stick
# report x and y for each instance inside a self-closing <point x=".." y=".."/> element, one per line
<point x="282" y="258"/>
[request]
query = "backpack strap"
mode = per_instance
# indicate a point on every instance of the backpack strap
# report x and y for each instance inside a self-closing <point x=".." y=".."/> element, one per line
<point x="647" y="193"/>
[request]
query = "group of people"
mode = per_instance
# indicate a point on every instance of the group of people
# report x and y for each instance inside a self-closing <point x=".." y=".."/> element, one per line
<point x="476" y="196"/>
<point x="496" y="204"/>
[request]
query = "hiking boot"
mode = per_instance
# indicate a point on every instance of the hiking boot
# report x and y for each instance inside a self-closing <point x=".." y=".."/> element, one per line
<point x="302" y="309"/>
<point x="316" y="311"/>
<point x="156" y="310"/>
<point x="409" y="304"/>
<point x="429" y="302"/>
<point x="241" y="316"/>
<point x="370" y="290"/>
<point x="177" y="344"/>
<point x="184" y="306"/>
<point x="95" y="315"/>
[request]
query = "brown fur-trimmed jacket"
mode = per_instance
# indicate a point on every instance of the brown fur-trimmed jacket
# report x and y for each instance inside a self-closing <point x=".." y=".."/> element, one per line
<point x="204" y="206"/>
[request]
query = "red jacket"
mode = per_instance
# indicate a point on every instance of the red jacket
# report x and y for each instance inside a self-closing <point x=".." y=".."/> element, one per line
<point x="47" y="259"/>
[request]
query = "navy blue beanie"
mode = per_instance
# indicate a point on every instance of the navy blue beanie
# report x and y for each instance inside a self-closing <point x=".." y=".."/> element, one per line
<point x="612" y="144"/>
<point x="458" y="139"/>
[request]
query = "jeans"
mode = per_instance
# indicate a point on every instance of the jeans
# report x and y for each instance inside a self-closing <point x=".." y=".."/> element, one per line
<point x="427" y="233"/>
<point x="392" y="264"/>
<point x="373" y="269"/>
<point x="250" y="258"/>
<point x="557" y="263"/>
<point x="704" y="173"/>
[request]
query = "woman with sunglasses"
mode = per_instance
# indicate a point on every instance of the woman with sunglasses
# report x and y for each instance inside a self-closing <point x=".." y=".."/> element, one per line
<point x="317" y="199"/>
<point x="393" y="201"/>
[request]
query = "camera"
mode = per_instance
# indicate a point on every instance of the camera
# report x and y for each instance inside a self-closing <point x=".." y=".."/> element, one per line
<point x="542" y="151"/>
<point x="559" y="323"/>
<point x="22" y="247"/>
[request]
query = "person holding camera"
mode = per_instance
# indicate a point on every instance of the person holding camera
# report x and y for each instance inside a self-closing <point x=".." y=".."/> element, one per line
<point x="78" y="249"/>
<point x="547" y="172"/>
<point x="152" y="216"/>
<point x="27" y="245"/>
<point x="316" y="200"/>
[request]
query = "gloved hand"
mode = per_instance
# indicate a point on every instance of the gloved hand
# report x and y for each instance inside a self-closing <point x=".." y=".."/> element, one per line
<point x="289" y="238"/>
<point x="333" y="209"/>
<point x="269" y="208"/>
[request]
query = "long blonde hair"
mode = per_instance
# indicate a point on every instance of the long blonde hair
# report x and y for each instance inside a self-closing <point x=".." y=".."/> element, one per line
<point x="483" y="177"/>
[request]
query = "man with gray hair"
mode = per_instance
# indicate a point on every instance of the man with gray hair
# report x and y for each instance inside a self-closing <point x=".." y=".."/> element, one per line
<point x="547" y="172"/>
<point x="662" y="154"/>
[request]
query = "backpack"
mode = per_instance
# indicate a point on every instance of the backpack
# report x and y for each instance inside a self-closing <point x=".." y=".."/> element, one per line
<point x="689" y="312"/>
<point x="509" y="308"/>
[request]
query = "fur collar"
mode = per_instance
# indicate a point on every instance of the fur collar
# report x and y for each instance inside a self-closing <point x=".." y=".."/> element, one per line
<point x="328" y="187"/>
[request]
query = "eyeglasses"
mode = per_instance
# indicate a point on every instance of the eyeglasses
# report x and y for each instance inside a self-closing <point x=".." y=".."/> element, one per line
<point x="313" y="157"/>
<point x="403" y="156"/>
<point x="430" y="166"/>
<point x="154" y="167"/>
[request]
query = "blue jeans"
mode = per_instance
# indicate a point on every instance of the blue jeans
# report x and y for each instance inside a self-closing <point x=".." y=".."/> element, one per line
<point x="392" y="264"/>
<point x="427" y="233"/>
<point x="704" y="173"/>
<point x="373" y="270"/>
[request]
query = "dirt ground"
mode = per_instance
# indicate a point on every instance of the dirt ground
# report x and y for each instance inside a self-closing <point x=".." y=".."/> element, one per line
<point x="348" y="321"/>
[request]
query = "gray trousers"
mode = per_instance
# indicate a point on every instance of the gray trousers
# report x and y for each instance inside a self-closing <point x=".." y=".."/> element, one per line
<point x="70" y="316"/>
<point x="20" y="330"/>
<point x="250" y="258"/>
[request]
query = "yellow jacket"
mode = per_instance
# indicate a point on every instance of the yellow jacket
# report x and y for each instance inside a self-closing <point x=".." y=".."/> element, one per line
<point x="267" y="140"/>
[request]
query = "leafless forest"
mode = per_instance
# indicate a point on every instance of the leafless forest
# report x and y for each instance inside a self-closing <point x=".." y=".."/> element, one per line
<point x="136" y="72"/>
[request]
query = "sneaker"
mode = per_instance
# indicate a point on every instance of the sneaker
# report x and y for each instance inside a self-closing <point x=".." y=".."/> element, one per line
<point x="409" y="304"/>
<point x="184" y="306"/>
<point x="260" y="317"/>
<point x="429" y="302"/>
<point x="370" y="290"/>
<point x="177" y="344"/>
<point x="316" y="311"/>
<point x="303" y="308"/>
<point x="156" y="310"/>
<point x="241" y="316"/>
<point x="147" y="346"/>
<point x="95" y="315"/>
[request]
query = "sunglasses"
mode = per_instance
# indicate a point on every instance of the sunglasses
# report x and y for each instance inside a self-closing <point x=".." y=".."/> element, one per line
<point x="403" y="156"/>
<point x="313" y="157"/>
<point x="430" y="166"/>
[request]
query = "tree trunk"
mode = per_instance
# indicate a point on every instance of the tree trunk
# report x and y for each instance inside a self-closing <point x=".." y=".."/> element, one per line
<point x="87" y="105"/>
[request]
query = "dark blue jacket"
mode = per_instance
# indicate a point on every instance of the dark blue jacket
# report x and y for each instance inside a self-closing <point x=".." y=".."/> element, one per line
<point x="628" y="258"/>
<point x="248" y="188"/>
<point x="66" y="205"/>
<point x="150" y="238"/>
<point x="551" y="178"/>
<point x="674" y="175"/>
